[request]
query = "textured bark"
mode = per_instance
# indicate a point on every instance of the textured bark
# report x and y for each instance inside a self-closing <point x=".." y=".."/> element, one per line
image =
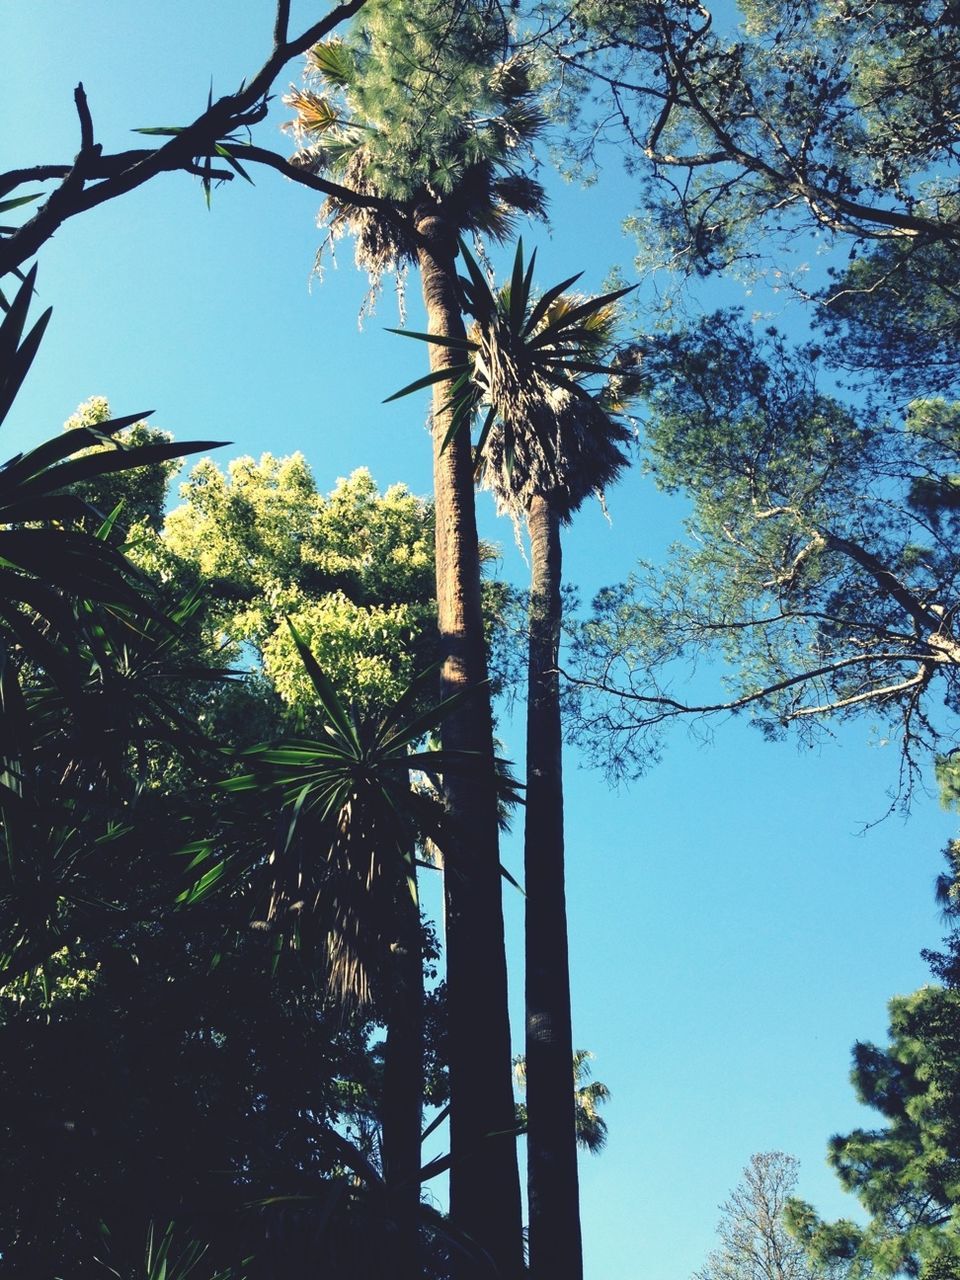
<point x="403" y="1096"/>
<point x="484" y="1182"/>
<point x="552" y="1182"/>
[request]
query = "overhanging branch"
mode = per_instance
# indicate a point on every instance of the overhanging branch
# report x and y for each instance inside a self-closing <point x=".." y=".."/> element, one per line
<point x="113" y="175"/>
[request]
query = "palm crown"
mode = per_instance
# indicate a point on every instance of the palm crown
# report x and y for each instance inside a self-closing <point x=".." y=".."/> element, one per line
<point x="447" y="133"/>
<point x="531" y="364"/>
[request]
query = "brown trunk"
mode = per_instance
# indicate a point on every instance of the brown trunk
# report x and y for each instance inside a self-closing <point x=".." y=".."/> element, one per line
<point x="402" y="1115"/>
<point x="552" y="1183"/>
<point x="484" y="1182"/>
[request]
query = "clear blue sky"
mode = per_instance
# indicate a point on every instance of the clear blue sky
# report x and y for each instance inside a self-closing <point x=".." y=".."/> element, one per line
<point x="732" y="931"/>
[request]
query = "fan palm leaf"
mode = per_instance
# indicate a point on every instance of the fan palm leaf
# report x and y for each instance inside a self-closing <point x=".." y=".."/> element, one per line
<point x="461" y="154"/>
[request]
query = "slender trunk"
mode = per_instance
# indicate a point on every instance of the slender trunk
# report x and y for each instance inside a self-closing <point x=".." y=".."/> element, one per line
<point x="403" y="1095"/>
<point x="484" y="1182"/>
<point x="552" y="1184"/>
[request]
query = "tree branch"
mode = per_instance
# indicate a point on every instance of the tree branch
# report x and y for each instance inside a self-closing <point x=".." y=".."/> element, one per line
<point x="125" y="171"/>
<point x="670" y="707"/>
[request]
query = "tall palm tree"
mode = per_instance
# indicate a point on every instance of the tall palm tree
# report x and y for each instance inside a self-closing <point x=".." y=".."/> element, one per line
<point x="549" y="439"/>
<point x="426" y="108"/>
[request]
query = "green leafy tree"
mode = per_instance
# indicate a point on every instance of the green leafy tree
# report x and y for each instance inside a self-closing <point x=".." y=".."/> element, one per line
<point x="814" y="115"/>
<point x="441" y="148"/>
<point x="344" y="883"/>
<point x="353" y="570"/>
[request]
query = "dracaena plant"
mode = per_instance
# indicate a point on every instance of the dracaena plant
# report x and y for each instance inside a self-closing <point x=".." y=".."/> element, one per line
<point x="54" y="548"/>
<point x="358" y="803"/>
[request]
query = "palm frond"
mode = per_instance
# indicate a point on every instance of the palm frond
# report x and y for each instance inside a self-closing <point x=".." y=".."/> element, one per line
<point x="547" y="432"/>
<point x="354" y="811"/>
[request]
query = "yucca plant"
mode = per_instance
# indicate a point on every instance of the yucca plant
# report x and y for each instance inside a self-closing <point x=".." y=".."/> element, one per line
<point x="550" y="383"/>
<point x="173" y="1255"/>
<point x="353" y="820"/>
<point x="343" y="885"/>
<point x="53" y="552"/>
<point x="89" y="665"/>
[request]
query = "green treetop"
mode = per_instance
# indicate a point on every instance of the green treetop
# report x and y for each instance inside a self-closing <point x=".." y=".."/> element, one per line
<point x="821" y="565"/>
<point x="906" y="1173"/>
<point x="353" y="571"/>
<point x="818" y="114"/>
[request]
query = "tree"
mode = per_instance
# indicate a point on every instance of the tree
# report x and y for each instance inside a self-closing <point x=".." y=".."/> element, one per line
<point x="208" y="147"/>
<point x="754" y="1241"/>
<point x="814" y="115"/>
<point x="442" y="145"/>
<point x="904" y="1173"/>
<point x="821" y="565"/>
<point x="344" y="883"/>
<point x="588" y="1095"/>
<point x="352" y="569"/>
<point x="545" y="444"/>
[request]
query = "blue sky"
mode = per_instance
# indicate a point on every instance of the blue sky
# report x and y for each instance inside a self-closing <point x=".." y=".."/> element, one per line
<point x="733" y="930"/>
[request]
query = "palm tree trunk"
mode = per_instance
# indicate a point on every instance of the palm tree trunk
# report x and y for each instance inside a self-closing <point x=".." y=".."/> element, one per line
<point x="484" y="1181"/>
<point x="552" y="1183"/>
<point x="402" y="1115"/>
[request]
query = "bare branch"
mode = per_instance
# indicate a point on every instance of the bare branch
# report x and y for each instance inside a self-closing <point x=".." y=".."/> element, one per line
<point x="117" y="174"/>
<point x="670" y="707"/>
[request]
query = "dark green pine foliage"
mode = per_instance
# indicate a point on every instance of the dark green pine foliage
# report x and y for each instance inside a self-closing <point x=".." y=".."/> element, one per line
<point x="905" y="1172"/>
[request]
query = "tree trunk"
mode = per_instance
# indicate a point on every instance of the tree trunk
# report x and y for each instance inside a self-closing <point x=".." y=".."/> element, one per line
<point x="402" y="1115"/>
<point x="484" y="1182"/>
<point x="552" y="1183"/>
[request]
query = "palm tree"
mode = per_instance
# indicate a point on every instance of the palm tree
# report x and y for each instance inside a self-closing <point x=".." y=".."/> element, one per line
<point x="588" y="1095"/>
<point x="546" y="443"/>
<point x="426" y="109"/>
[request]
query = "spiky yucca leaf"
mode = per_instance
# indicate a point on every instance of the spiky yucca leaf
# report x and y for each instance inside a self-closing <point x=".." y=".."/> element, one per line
<point x="355" y="814"/>
<point x="548" y="432"/>
<point x="529" y="365"/>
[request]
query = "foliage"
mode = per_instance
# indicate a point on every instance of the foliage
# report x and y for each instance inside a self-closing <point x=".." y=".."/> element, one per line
<point x="817" y="115"/>
<point x="527" y="365"/>
<point x="753" y="1240"/>
<point x="589" y="1095"/>
<point x="821" y="562"/>
<point x="355" y="820"/>
<point x="451" y="135"/>
<point x="353" y="571"/>
<point x="891" y="319"/>
<point x="906" y="1173"/>
<point x="208" y="147"/>
<point x="141" y="493"/>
